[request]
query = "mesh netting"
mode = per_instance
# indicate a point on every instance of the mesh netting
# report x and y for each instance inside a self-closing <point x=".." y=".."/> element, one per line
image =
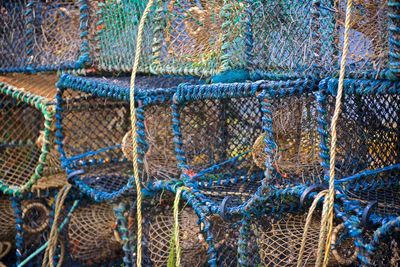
<point x="38" y="84"/>
<point x="369" y="35"/>
<point x="193" y="37"/>
<point x="220" y="133"/>
<point x="44" y="35"/>
<point x="13" y="52"/>
<point x="280" y="240"/>
<point x="296" y="156"/>
<point x="159" y="223"/>
<point x="368" y="132"/>
<point x="159" y="160"/>
<point x="282" y="36"/>
<point x="215" y="130"/>
<point x="226" y="236"/>
<point x="7" y="220"/>
<point x="90" y="234"/>
<point x="20" y="128"/>
<point x="306" y="37"/>
<point x="381" y="188"/>
<point x="92" y="123"/>
<point x="117" y="34"/>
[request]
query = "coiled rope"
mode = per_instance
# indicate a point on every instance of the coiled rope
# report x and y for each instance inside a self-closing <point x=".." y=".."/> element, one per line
<point x="134" y="133"/>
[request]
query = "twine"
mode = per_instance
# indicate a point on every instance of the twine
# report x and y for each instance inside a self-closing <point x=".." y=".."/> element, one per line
<point x="53" y="237"/>
<point x="328" y="214"/>
<point x="307" y="225"/>
<point x="134" y="133"/>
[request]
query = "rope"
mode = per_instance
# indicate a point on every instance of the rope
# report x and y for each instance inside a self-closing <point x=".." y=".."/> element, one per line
<point x="5" y="248"/>
<point x="44" y="246"/>
<point x="307" y="225"/>
<point x="134" y="133"/>
<point x="328" y="214"/>
<point x="176" y="251"/>
<point x="53" y="237"/>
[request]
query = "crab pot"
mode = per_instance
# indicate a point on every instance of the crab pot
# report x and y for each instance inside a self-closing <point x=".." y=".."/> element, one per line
<point x="26" y="131"/>
<point x="199" y="38"/>
<point x="116" y="36"/>
<point x="276" y="241"/>
<point x="306" y="38"/>
<point x="368" y="149"/>
<point x="220" y="136"/>
<point x="94" y="132"/>
<point x="91" y="238"/>
<point x="44" y="35"/>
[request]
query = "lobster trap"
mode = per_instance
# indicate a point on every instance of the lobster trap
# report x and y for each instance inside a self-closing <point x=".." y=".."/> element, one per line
<point x="94" y="132"/>
<point x="224" y="138"/>
<point x="199" y="38"/>
<point x="26" y="133"/>
<point x="44" y="35"/>
<point x="305" y="38"/>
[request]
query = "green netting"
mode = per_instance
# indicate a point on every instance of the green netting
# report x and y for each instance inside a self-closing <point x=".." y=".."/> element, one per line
<point x="117" y="34"/>
<point x="197" y="37"/>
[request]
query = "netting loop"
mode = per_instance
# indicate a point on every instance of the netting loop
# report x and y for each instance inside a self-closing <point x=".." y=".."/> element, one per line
<point x="311" y="189"/>
<point x="367" y="212"/>
<point x="43" y="218"/>
<point x="338" y="257"/>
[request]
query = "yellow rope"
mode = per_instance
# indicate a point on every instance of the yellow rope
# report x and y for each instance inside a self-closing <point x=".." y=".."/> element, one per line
<point x="134" y="133"/>
<point x="53" y="237"/>
<point x="307" y="225"/>
<point x="322" y="234"/>
<point x="328" y="214"/>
